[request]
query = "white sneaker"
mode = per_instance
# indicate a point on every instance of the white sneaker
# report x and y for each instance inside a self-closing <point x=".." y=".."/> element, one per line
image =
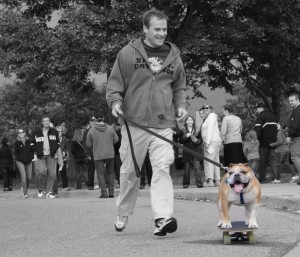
<point x="294" y="179"/>
<point x="40" y="194"/>
<point x="50" y="196"/>
<point x="25" y="196"/>
<point x="96" y="187"/>
<point x="66" y="189"/>
<point x="121" y="223"/>
<point x="210" y="183"/>
<point x="275" y="181"/>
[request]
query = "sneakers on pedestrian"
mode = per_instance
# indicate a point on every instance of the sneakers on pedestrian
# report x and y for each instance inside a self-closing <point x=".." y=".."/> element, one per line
<point x="294" y="179"/>
<point x="103" y="194"/>
<point x="275" y="181"/>
<point x="217" y="183"/>
<point x="5" y="189"/>
<point x="66" y="189"/>
<point x="164" y="226"/>
<point x="96" y="187"/>
<point x="209" y="183"/>
<point x="25" y="196"/>
<point x="40" y="194"/>
<point x="50" y="196"/>
<point x="121" y="223"/>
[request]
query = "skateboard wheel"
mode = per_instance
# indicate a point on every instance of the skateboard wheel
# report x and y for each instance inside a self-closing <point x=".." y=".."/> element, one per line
<point x="227" y="239"/>
<point x="252" y="239"/>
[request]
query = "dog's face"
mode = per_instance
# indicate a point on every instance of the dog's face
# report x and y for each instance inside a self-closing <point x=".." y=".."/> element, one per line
<point x="239" y="177"/>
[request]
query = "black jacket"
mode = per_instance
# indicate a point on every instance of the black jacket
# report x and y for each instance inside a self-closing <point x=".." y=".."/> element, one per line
<point x="24" y="153"/>
<point x="294" y="128"/>
<point x="6" y="159"/>
<point x="77" y="150"/>
<point x="38" y="142"/>
<point x="266" y="128"/>
<point x="187" y="142"/>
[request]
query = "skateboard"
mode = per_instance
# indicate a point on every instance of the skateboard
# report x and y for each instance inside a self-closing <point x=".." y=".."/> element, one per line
<point x="239" y="233"/>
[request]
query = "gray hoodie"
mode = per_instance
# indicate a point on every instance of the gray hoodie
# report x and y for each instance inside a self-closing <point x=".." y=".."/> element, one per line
<point x="251" y="150"/>
<point x="101" y="138"/>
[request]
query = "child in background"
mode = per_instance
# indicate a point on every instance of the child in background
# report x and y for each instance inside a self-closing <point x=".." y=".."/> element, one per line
<point x="251" y="150"/>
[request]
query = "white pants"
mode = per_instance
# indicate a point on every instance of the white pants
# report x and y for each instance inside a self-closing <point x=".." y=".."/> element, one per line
<point x="212" y="171"/>
<point x="161" y="156"/>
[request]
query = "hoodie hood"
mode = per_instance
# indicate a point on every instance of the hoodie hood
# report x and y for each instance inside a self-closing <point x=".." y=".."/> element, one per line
<point x="100" y="126"/>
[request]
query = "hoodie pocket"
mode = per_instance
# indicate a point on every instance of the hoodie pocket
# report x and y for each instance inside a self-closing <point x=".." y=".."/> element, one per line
<point x="135" y="103"/>
<point x="162" y="107"/>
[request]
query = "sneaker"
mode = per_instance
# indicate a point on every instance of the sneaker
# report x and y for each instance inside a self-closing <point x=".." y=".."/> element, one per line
<point x="275" y="181"/>
<point x="66" y="189"/>
<point x="164" y="226"/>
<point x="209" y="183"/>
<point x="5" y="189"/>
<point x="25" y="196"/>
<point x="118" y="185"/>
<point x="121" y="223"/>
<point x="199" y="185"/>
<point x="96" y="187"/>
<point x="50" y="196"/>
<point x="56" y="195"/>
<point x="40" y="194"/>
<point x="217" y="183"/>
<point x="294" y="179"/>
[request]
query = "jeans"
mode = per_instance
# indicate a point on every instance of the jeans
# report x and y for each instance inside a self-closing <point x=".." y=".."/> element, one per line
<point x="118" y="164"/>
<point x="46" y="173"/>
<point x="254" y="164"/>
<point x="7" y="176"/>
<point x="26" y="175"/>
<point x="267" y="155"/>
<point x="79" y="169"/>
<point x="187" y="172"/>
<point x="99" y="164"/>
<point x="91" y="172"/>
<point x="295" y="153"/>
<point x="64" y="178"/>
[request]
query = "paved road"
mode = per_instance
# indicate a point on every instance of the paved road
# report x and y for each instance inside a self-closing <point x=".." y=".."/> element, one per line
<point x="81" y="224"/>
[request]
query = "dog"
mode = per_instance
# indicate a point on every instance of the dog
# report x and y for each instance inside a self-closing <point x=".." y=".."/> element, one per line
<point x="239" y="186"/>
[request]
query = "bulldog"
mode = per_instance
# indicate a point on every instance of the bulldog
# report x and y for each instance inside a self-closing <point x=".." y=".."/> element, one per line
<point x="239" y="186"/>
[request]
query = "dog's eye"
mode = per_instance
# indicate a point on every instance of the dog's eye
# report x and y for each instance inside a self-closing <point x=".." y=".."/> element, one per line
<point x="244" y="172"/>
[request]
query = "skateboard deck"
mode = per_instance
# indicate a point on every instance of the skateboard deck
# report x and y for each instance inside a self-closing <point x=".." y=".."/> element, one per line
<point x="239" y="233"/>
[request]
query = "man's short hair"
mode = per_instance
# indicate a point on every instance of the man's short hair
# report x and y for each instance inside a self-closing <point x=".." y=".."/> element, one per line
<point x="228" y="108"/>
<point x="296" y="95"/>
<point x="260" y="105"/>
<point x="153" y="12"/>
<point x="45" y="117"/>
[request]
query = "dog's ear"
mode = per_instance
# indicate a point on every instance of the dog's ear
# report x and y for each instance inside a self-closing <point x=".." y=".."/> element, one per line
<point x="230" y="165"/>
<point x="246" y="164"/>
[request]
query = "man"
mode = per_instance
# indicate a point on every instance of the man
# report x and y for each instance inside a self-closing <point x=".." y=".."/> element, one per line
<point x="294" y="131"/>
<point x="231" y="135"/>
<point x="101" y="138"/>
<point x="148" y="84"/>
<point x="46" y="142"/>
<point x="89" y="154"/>
<point x="266" y="130"/>
<point x="212" y="145"/>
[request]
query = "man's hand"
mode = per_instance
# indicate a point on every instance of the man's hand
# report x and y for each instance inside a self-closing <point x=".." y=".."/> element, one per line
<point x="181" y="113"/>
<point x="194" y="139"/>
<point x="288" y="140"/>
<point x="60" y="167"/>
<point x="116" y="110"/>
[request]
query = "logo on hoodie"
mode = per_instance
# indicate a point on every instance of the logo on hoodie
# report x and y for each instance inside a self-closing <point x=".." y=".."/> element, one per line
<point x="155" y="64"/>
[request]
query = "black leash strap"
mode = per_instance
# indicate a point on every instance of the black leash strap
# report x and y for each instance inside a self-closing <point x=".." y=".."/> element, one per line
<point x="126" y="120"/>
<point x="137" y="169"/>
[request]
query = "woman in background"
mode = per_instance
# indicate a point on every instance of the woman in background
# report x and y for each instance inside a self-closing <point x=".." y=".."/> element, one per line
<point x="24" y="155"/>
<point x="79" y="156"/>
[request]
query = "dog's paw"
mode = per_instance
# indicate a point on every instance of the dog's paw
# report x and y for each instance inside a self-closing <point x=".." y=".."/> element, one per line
<point x="226" y="225"/>
<point x="220" y="223"/>
<point x="252" y="224"/>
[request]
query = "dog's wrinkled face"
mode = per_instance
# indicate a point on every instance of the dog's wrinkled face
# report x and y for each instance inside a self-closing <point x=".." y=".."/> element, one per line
<point x="239" y="177"/>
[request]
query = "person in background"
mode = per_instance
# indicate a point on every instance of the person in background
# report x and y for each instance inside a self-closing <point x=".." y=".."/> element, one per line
<point x="58" y="168"/>
<point x="24" y="155"/>
<point x="118" y="163"/>
<point x="231" y="135"/>
<point x="64" y="153"/>
<point x="191" y="138"/>
<point x="77" y="150"/>
<point x="101" y="138"/>
<point x="251" y="150"/>
<point x="146" y="171"/>
<point x="90" y="158"/>
<point x="266" y="130"/>
<point x="294" y="131"/>
<point x="45" y="143"/>
<point x="212" y="145"/>
<point x="6" y="164"/>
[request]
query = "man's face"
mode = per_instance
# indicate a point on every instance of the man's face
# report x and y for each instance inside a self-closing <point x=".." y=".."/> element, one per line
<point x="293" y="101"/>
<point x="207" y="110"/>
<point x="157" y="32"/>
<point x="259" y="110"/>
<point x="46" y="123"/>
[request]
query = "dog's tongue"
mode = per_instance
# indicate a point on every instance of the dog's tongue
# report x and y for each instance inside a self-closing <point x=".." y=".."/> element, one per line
<point x="238" y="188"/>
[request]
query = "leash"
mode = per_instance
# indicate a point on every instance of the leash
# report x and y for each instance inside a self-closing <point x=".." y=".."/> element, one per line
<point x="126" y="120"/>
